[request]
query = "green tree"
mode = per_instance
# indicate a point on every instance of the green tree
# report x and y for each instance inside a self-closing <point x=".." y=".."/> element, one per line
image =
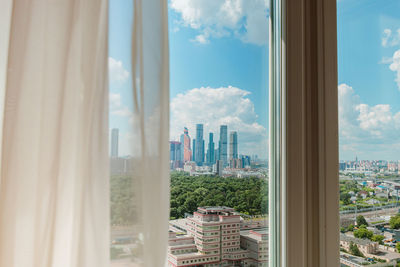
<point x="361" y="221"/>
<point x="246" y="195"/>
<point x="378" y="238"/>
<point x="354" y="250"/>
<point x="398" y="247"/>
<point x="345" y="197"/>
<point x="350" y="228"/>
<point x="395" y="222"/>
<point x="363" y="233"/>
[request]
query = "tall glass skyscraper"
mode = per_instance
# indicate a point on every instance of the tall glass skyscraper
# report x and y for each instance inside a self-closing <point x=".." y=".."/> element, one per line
<point x="211" y="150"/>
<point x="194" y="150"/>
<point x="114" y="142"/>
<point x="199" y="158"/>
<point x="185" y="149"/>
<point x="233" y="145"/>
<point x="223" y="144"/>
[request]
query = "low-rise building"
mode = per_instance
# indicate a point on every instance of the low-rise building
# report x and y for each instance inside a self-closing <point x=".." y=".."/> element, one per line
<point x="364" y="245"/>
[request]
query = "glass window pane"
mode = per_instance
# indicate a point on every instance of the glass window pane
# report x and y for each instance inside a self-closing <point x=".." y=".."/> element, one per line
<point x="369" y="123"/>
<point x="218" y="132"/>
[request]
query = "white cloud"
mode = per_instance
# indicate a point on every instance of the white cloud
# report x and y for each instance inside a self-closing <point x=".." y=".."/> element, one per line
<point x="117" y="108"/>
<point x="116" y="71"/>
<point x="386" y="35"/>
<point x="390" y="38"/>
<point x="365" y="128"/>
<point x="395" y="66"/>
<point x="115" y="101"/>
<point x="244" y="19"/>
<point x="217" y="106"/>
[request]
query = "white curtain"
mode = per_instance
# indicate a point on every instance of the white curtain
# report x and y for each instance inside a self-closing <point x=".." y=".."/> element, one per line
<point x="150" y="128"/>
<point x="54" y="192"/>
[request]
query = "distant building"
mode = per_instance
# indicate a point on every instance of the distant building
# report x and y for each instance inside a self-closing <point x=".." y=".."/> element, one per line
<point x="223" y="144"/>
<point x="121" y="166"/>
<point x="364" y="245"/>
<point x="246" y="161"/>
<point x="194" y="150"/>
<point x="211" y="150"/>
<point x="199" y="158"/>
<point x="233" y="145"/>
<point x="114" y="143"/>
<point x="236" y="163"/>
<point x="186" y="151"/>
<point x="219" y="167"/>
<point x="175" y="154"/>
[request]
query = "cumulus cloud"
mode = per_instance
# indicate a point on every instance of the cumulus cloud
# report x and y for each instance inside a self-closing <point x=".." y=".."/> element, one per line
<point x="243" y="19"/>
<point x="219" y="106"/>
<point x="117" y="108"/>
<point x="363" y="127"/>
<point x="390" y="38"/>
<point x="116" y="71"/>
<point x="395" y="66"/>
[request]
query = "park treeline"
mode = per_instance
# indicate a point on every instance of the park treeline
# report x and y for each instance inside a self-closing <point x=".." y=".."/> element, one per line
<point x="245" y="195"/>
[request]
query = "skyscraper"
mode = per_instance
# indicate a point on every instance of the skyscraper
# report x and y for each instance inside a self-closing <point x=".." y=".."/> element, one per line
<point x="211" y="150"/>
<point x="194" y="150"/>
<point x="175" y="154"/>
<point x="114" y="142"/>
<point x="185" y="149"/>
<point x="223" y="144"/>
<point x="233" y="145"/>
<point x="199" y="145"/>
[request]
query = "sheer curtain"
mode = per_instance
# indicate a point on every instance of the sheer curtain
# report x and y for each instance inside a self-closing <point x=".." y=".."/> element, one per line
<point x="54" y="199"/>
<point x="150" y="128"/>
<point x="54" y="183"/>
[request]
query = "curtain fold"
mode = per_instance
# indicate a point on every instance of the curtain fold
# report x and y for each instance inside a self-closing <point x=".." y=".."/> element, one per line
<point x="150" y="129"/>
<point x="54" y="184"/>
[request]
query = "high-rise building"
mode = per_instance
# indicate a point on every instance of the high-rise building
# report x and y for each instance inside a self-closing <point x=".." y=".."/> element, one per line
<point x="211" y="150"/>
<point x="114" y="142"/>
<point x="223" y="144"/>
<point x="199" y="145"/>
<point x="194" y="150"/>
<point x="233" y="145"/>
<point x="185" y="149"/>
<point x="175" y="154"/>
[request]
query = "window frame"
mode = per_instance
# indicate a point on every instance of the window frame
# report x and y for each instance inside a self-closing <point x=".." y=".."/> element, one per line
<point x="306" y="165"/>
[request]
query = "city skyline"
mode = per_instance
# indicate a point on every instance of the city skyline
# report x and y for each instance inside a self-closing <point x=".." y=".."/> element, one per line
<point x="222" y="79"/>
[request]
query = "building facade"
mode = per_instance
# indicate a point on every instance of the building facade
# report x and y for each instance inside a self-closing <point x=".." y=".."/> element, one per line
<point x="233" y="145"/>
<point x="223" y="144"/>
<point x="114" y="143"/>
<point x="211" y="150"/>
<point x="199" y="145"/>
<point x="175" y="154"/>
<point x="214" y="239"/>
<point x="186" y="147"/>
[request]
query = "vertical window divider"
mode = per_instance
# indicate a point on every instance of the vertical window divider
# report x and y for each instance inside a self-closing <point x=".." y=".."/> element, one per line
<point x="303" y="175"/>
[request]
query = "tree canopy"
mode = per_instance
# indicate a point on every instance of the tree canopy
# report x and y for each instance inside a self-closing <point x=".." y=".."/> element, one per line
<point x="246" y="195"/>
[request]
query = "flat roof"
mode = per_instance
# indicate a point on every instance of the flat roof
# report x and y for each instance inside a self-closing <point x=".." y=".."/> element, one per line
<point x="216" y="208"/>
<point x="360" y="241"/>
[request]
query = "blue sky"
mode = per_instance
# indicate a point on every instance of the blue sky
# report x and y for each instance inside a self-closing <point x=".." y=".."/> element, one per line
<point x="219" y="72"/>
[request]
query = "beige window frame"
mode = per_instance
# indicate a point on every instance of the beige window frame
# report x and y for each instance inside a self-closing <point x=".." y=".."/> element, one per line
<point x="308" y="175"/>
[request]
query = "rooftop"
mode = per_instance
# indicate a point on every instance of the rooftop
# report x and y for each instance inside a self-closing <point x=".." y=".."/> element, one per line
<point x="359" y="241"/>
<point x="214" y="210"/>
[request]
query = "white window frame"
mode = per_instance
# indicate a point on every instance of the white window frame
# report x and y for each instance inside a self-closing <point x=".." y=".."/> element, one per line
<point x="304" y="197"/>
